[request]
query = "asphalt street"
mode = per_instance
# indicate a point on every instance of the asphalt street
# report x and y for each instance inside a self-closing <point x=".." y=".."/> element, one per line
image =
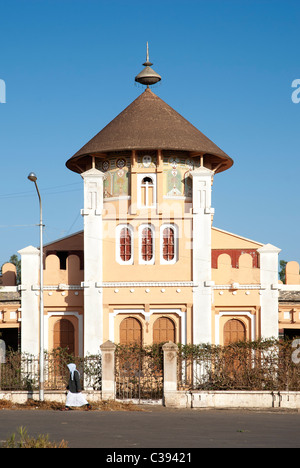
<point x="158" y="427"/>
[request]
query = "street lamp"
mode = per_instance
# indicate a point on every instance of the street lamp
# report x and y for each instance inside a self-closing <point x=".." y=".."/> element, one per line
<point x="33" y="178"/>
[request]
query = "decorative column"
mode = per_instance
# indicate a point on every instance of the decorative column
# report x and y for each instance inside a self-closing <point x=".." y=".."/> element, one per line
<point x="269" y="292"/>
<point x="30" y="267"/>
<point x="201" y="257"/>
<point x="108" y="370"/>
<point x="93" y="259"/>
<point x="170" y="351"/>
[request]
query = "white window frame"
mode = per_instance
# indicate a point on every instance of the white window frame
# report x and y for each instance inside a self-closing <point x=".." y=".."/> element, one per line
<point x="175" y="229"/>
<point x="141" y="260"/>
<point x="140" y="178"/>
<point x="118" y="234"/>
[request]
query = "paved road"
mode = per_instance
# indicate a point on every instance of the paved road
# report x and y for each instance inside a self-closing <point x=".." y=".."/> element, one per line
<point x="158" y="427"/>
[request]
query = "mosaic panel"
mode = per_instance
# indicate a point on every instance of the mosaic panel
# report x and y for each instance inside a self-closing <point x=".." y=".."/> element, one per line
<point x="117" y="175"/>
<point x="177" y="182"/>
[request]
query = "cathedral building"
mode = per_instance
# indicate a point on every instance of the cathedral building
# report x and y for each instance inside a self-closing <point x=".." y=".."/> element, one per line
<point x="149" y="265"/>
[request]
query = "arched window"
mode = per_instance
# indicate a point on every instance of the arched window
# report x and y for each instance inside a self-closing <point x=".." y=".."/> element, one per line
<point x="234" y="330"/>
<point x="146" y="190"/>
<point x="130" y="331"/>
<point x="64" y="335"/>
<point x="125" y="244"/>
<point x="168" y="244"/>
<point x="147" y="245"/>
<point x="163" y="330"/>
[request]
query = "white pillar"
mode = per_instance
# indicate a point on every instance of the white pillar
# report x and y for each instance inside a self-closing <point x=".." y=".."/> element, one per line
<point x="30" y="300"/>
<point x="108" y="370"/>
<point x="202" y="295"/>
<point x="92" y="215"/>
<point x="269" y="292"/>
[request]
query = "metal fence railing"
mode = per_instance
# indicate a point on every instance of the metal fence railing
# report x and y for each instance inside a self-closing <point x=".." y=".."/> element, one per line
<point x="139" y="373"/>
<point x="260" y="365"/>
<point x="21" y="371"/>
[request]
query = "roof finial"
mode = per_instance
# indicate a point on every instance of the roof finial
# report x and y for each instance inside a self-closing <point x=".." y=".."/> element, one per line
<point x="148" y="76"/>
<point x="147" y="57"/>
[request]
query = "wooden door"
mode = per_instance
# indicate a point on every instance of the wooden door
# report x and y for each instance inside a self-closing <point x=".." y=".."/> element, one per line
<point x="163" y="330"/>
<point x="64" y="336"/>
<point x="130" y="331"/>
<point x="234" y="330"/>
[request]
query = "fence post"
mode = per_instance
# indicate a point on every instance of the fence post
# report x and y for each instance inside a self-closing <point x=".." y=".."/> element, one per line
<point x="170" y="351"/>
<point x="108" y="370"/>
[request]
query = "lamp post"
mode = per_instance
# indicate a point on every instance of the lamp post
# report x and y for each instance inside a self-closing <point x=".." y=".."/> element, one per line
<point x="33" y="178"/>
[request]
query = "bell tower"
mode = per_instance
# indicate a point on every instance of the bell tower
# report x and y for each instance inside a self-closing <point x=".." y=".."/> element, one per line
<point x="147" y="224"/>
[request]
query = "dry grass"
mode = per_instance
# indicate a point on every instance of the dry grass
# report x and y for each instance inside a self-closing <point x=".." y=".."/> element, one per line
<point x="108" y="405"/>
<point x="23" y="440"/>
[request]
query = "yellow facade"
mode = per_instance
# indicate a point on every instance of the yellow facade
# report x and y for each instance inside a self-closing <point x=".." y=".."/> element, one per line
<point x="151" y="291"/>
<point x="149" y="265"/>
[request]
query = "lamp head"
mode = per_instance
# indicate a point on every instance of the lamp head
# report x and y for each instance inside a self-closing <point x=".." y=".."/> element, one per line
<point x="32" y="177"/>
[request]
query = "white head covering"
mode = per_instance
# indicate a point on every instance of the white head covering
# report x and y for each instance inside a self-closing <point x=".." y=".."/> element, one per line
<point x="72" y="369"/>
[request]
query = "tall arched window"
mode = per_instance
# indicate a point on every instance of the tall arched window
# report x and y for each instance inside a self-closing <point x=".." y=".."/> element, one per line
<point x="146" y="190"/>
<point x="163" y="330"/>
<point x="168" y="244"/>
<point x="125" y="244"/>
<point x="147" y="245"/>
<point x="130" y="331"/>
<point x="64" y="335"/>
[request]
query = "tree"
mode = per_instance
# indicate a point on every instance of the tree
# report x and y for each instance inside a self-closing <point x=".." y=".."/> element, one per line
<point x="282" y="264"/>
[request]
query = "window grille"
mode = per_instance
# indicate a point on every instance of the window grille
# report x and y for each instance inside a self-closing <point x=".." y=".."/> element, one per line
<point x="147" y="244"/>
<point x="125" y="244"/>
<point x="168" y="244"/>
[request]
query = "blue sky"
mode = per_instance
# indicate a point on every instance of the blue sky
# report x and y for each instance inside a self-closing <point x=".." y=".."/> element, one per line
<point x="226" y="65"/>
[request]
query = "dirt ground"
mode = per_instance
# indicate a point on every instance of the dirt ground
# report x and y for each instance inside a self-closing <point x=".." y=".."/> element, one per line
<point x="48" y="405"/>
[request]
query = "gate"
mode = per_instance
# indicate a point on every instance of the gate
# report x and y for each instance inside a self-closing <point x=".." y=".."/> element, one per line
<point x="139" y="373"/>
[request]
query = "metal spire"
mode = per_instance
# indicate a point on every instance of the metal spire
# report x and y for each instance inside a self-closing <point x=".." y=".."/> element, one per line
<point x="148" y="76"/>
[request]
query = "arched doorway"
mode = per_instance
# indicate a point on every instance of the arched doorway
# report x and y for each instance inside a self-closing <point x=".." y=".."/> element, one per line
<point x="163" y="330"/>
<point x="130" y="331"/>
<point x="236" y="358"/>
<point x="64" y="335"/>
<point x="234" y="330"/>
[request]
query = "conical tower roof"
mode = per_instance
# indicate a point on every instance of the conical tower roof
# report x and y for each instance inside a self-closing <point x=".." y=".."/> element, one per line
<point x="148" y="123"/>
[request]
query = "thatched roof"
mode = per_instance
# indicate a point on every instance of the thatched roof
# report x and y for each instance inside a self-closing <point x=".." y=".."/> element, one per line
<point x="148" y="123"/>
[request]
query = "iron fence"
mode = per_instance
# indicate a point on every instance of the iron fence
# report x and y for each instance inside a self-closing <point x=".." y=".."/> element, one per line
<point x="139" y="372"/>
<point x="21" y="371"/>
<point x="260" y="365"/>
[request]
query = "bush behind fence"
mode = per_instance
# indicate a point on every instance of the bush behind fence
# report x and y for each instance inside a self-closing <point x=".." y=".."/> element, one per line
<point x="21" y="371"/>
<point x="258" y="365"/>
<point x="139" y="372"/>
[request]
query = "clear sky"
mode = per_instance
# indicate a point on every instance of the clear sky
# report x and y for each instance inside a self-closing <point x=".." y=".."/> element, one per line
<point x="226" y="65"/>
